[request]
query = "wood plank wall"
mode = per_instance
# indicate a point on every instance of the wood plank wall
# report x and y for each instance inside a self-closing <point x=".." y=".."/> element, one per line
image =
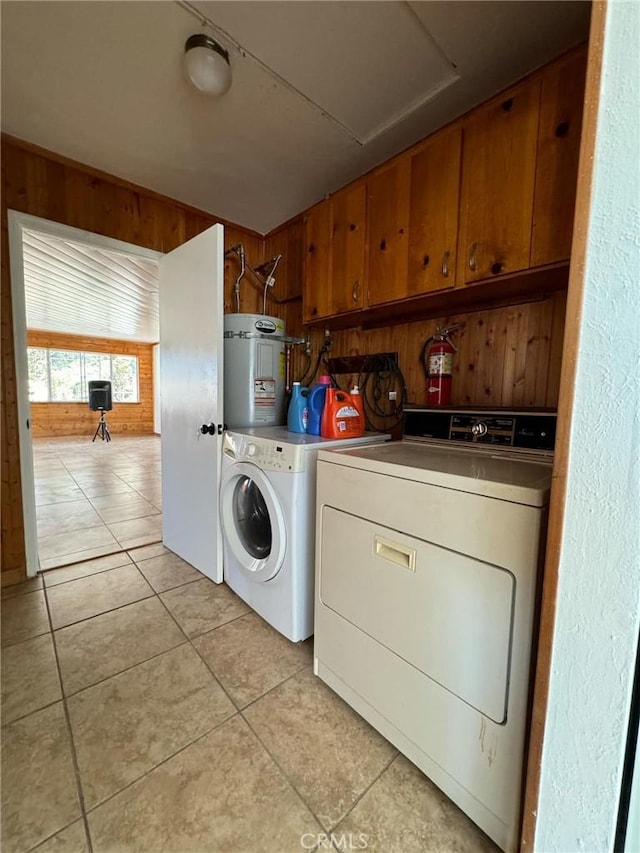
<point x="506" y="356"/>
<point x="52" y="419"/>
<point x="43" y="184"/>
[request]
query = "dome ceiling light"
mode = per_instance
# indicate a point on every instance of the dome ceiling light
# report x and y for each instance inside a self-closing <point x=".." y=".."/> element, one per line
<point x="207" y="64"/>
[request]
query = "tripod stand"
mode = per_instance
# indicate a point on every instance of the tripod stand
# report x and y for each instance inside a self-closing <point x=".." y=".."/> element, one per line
<point x="102" y="429"/>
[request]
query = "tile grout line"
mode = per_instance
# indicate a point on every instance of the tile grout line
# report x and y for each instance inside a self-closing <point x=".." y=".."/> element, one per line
<point x="72" y="746"/>
<point x="75" y="693"/>
<point x="26" y="639"/>
<point x="102" y="612"/>
<point x="5" y="725"/>
<point x="51" y="837"/>
<point x="190" y="641"/>
<point x="280" y="768"/>
<point x="369" y="787"/>
<point x="240" y="711"/>
<point x="82" y="577"/>
<point x="131" y="562"/>
<point x="160" y="763"/>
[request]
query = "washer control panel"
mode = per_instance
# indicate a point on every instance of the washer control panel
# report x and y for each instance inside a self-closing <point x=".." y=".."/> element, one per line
<point x="265" y="454"/>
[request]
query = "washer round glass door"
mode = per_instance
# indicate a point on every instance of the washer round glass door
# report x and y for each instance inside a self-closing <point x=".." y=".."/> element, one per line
<point x="253" y="521"/>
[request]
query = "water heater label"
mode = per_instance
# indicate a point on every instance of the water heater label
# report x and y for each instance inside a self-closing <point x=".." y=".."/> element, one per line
<point x="264" y="392"/>
<point x="265" y="326"/>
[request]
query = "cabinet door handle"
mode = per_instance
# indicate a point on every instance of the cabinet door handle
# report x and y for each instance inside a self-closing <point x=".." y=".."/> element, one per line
<point x="472" y="256"/>
<point x="356" y="291"/>
<point x="445" y="264"/>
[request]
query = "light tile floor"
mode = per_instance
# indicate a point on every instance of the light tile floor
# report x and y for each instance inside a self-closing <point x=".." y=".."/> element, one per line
<point x="96" y="498"/>
<point x="145" y="708"/>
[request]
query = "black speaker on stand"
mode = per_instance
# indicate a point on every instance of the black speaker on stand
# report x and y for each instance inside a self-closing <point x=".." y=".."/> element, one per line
<point x="100" y="401"/>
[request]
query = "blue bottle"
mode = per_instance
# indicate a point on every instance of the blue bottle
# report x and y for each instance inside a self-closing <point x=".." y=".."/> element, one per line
<point x="316" y="404"/>
<point x="298" y="413"/>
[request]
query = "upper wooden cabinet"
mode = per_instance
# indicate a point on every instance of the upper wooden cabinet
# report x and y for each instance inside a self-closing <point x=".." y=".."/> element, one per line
<point x="489" y="198"/>
<point x="561" y="105"/>
<point x="317" y="262"/>
<point x="335" y="254"/>
<point x="388" y="222"/>
<point x="348" y="210"/>
<point x="498" y="180"/>
<point x="433" y="212"/>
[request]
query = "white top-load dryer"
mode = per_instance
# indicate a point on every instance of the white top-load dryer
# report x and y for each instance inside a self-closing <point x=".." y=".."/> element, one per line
<point x="267" y="507"/>
<point x="427" y="564"/>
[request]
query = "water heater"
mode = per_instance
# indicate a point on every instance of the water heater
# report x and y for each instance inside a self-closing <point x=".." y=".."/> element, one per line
<point x="254" y="370"/>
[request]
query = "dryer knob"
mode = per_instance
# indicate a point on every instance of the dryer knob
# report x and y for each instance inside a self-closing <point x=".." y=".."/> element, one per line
<point x="252" y="450"/>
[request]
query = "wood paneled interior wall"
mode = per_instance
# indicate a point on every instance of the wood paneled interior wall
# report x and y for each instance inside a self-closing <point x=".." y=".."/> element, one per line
<point x="52" y="419"/>
<point x="43" y="184"/>
<point x="506" y="356"/>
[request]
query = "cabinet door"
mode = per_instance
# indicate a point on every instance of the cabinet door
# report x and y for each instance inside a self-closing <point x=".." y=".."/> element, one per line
<point x="433" y="212"/>
<point x="498" y="175"/>
<point x="561" y="104"/>
<point x="317" y="262"/>
<point x="348" y="208"/>
<point x="388" y="215"/>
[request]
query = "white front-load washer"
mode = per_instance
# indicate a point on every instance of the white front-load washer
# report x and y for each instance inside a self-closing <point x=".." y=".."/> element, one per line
<point x="267" y="509"/>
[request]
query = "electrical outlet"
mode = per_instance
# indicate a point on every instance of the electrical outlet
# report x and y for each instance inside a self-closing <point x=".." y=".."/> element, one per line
<point x="393" y="395"/>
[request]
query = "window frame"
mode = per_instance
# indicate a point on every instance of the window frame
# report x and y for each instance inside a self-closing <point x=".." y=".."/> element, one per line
<point x="83" y="380"/>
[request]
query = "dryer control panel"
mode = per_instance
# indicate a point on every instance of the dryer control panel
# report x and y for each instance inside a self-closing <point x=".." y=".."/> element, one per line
<point x="263" y="453"/>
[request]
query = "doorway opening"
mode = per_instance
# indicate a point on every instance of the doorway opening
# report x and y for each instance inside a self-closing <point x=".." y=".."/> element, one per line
<point x="85" y="309"/>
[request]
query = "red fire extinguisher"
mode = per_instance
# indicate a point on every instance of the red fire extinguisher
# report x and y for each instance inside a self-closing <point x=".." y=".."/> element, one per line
<point x="437" y="362"/>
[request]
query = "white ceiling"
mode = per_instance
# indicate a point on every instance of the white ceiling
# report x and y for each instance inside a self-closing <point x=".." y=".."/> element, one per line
<point x="80" y="289"/>
<point x="322" y="91"/>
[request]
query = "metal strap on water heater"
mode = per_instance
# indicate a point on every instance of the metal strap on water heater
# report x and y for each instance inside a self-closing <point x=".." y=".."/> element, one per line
<point x="264" y="336"/>
<point x="244" y="335"/>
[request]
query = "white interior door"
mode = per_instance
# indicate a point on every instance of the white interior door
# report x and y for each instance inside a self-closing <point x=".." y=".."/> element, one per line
<point x="191" y="347"/>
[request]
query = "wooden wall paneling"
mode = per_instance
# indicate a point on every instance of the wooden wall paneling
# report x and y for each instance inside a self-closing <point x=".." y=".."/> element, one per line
<point x="506" y="356"/>
<point x="472" y="383"/>
<point x="288" y="241"/>
<point x="47" y="185"/>
<point x="544" y="348"/>
<point x="535" y="341"/>
<point x="515" y="330"/>
<point x="250" y="290"/>
<point x="491" y="361"/>
<point x="556" y="344"/>
<point x="12" y="553"/>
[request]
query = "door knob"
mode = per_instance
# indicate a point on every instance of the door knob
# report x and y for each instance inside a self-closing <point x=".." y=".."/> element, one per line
<point x="208" y="428"/>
